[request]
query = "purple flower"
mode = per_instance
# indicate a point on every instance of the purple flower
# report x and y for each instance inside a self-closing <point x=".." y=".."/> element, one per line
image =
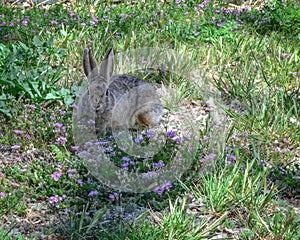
<point x="53" y="199"/>
<point x="62" y="112"/>
<point x="210" y="157"/>
<point x="54" y="22"/>
<point x="178" y="140"/>
<point x="74" y="147"/>
<point x="293" y="73"/>
<point x="80" y="182"/>
<point x="286" y="140"/>
<point x="113" y="196"/>
<point x="231" y="156"/>
<point x="159" y="164"/>
<point x="60" y="165"/>
<point x="56" y="175"/>
<point x="191" y="196"/>
<point x="24" y="22"/>
<point x="219" y="24"/>
<point x="15" y="146"/>
<point x="245" y="134"/>
<point x="18" y="131"/>
<point x="95" y="19"/>
<point x="93" y="193"/>
<point x="31" y="106"/>
<point x="125" y="166"/>
<point x="171" y="133"/>
<point x="14" y="184"/>
<point x="139" y="139"/>
<point x="59" y="127"/>
<point x="126" y="159"/>
<point x="61" y="140"/>
<point x="206" y="138"/>
<point x="2" y="194"/>
<point x="160" y="190"/>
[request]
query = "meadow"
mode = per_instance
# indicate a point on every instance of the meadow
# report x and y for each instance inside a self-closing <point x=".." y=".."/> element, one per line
<point x="246" y="51"/>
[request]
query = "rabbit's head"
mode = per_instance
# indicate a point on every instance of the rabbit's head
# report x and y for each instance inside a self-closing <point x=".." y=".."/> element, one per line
<point x="98" y="91"/>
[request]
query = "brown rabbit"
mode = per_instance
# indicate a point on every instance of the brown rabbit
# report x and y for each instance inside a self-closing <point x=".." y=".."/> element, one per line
<point x="118" y="101"/>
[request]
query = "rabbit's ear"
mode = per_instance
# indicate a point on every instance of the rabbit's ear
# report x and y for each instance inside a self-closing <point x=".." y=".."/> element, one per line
<point x="89" y="63"/>
<point x="107" y="66"/>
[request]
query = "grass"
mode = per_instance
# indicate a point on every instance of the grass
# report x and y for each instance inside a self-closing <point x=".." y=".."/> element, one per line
<point x="249" y="56"/>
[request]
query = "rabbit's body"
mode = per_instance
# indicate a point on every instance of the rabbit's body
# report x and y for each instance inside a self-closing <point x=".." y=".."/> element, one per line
<point x="118" y="101"/>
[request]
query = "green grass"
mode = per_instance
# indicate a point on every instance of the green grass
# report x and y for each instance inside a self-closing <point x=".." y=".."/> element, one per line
<point x="250" y="56"/>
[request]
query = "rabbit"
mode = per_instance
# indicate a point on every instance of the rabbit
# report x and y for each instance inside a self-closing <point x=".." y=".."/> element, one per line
<point x="118" y="101"/>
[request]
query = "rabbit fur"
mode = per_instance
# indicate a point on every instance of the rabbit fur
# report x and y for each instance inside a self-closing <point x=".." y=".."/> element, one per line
<point x="117" y="101"/>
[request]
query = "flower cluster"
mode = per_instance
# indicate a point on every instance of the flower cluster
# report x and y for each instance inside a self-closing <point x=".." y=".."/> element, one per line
<point x="164" y="187"/>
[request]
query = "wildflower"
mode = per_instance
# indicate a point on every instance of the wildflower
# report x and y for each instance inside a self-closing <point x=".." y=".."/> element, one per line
<point x="54" y="199"/>
<point x="125" y="166"/>
<point x="285" y="140"/>
<point x="210" y="157"/>
<point x="31" y="106"/>
<point x="150" y="134"/>
<point x="40" y="184"/>
<point x="245" y="134"/>
<point x="93" y="193"/>
<point x="62" y="112"/>
<point x="14" y="184"/>
<point x="95" y="19"/>
<point x="160" y="190"/>
<point x="126" y="159"/>
<point x="178" y="140"/>
<point x="113" y="196"/>
<point x="191" y="196"/>
<point x="159" y="164"/>
<point x="80" y="182"/>
<point x="171" y="133"/>
<point x="293" y="73"/>
<point x="219" y="24"/>
<point x="54" y="22"/>
<point x="60" y="165"/>
<point x="61" y="140"/>
<point x="2" y="194"/>
<point x="24" y="22"/>
<point x="18" y="131"/>
<point x="139" y="139"/>
<point x="74" y="147"/>
<point x="91" y="121"/>
<point x="56" y="175"/>
<point x="206" y="138"/>
<point x="231" y="156"/>
<point x="15" y="147"/>
<point x="58" y="125"/>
